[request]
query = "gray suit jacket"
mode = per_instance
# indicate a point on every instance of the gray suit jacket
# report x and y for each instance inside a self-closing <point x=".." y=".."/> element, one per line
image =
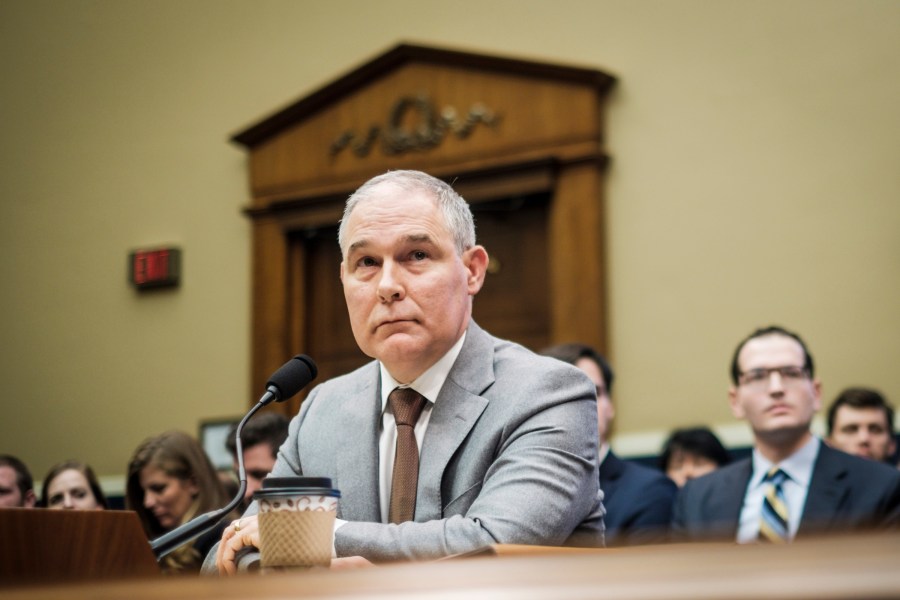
<point x="845" y="493"/>
<point x="509" y="456"/>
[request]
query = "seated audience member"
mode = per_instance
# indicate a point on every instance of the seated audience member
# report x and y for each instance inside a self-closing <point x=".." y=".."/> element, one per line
<point x="72" y="484"/>
<point x="792" y="484"/>
<point x="16" y="484"/>
<point x="494" y="444"/>
<point x="690" y="453"/>
<point x="170" y="481"/>
<point x="861" y="422"/>
<point x="638" y="499"/>
<point x="261" y="438"/>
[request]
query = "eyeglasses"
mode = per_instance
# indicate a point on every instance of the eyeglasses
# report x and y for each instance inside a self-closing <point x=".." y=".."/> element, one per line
<point x="759" y="378"/>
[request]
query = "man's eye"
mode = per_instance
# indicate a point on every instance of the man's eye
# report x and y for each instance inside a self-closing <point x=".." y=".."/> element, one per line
<point x="366" y="261"/>
<point x="419" y="255"/>
<point x="792" y="372"/>
<point x="757" y="375"/>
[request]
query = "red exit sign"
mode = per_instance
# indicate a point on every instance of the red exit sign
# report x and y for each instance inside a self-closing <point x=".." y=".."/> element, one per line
<point x="159" y="267"/>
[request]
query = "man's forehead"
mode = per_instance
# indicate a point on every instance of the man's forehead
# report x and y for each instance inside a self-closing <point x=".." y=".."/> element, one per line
<point x="856" y="413"/>
<point x="774" y="348"/>
<point x="368" y="241"/>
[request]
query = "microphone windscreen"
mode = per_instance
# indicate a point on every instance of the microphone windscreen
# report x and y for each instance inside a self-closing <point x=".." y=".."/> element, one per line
<point x="292" y="376"/>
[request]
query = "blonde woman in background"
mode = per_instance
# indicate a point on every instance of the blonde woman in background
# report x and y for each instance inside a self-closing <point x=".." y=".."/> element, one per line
<point x="170" y="481"/>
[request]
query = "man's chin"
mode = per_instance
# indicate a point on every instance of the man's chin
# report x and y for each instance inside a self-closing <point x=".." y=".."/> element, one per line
<point x="399" y="347"/>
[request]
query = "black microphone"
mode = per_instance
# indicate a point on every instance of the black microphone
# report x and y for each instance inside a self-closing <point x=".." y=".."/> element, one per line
<point x="289" y="379"/>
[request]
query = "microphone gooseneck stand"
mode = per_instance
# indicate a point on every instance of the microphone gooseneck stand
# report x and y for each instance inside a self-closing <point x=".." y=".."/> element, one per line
<point x="284" y="383"/>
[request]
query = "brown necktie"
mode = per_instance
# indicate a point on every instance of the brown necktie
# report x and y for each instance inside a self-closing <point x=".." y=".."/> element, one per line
<point x="406" y="404"/>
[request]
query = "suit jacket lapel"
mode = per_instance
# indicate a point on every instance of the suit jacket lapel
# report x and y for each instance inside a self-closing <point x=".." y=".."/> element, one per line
<point x="457" y="409"/>
<point x="827" y="490"/>
<point x="732" y="500"/>
<point x="722" y="504"/>
<point x="357" y="473"/>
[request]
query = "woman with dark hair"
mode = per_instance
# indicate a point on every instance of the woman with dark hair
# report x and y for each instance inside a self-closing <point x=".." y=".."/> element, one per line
<point x="170" y="481"/>
<point x="72" y="484"/>
<point x="692" y="452"/>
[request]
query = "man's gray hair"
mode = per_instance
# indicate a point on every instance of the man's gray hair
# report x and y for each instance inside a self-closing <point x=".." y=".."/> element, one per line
<point x="456" y="211"/>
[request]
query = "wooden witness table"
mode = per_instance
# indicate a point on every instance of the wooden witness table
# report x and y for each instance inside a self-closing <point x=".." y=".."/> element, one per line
<point x="859" y="566"/>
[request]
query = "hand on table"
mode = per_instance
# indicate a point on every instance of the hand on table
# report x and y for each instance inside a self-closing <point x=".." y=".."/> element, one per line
<point x="240" y="534"/>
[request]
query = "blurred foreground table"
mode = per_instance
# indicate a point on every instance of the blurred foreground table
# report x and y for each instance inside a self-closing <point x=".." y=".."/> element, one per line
<point x="860" y="566"/>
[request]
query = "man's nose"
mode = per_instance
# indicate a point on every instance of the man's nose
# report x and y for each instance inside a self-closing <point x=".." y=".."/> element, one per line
<point x="776" y="384"/>
<point x="253" y="484"/>
<point x="390" y="286"/>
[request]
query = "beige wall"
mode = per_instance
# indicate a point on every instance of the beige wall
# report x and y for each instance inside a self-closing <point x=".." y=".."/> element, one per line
<point x="754" y="179"/>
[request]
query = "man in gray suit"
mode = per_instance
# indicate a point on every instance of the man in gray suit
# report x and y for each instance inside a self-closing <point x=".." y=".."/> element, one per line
<point x="506" y="439"/>
<point x="793" y="484"/>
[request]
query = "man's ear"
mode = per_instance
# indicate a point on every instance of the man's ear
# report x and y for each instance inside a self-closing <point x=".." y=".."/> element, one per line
<point x="736" y="408"/>
<point x="30" y="500"/>
<point x="475" y="260"/>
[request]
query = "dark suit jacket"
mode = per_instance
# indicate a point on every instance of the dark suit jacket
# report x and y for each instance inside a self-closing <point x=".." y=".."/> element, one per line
<point x="845" y="493"/>
<point x="638" y="502"/>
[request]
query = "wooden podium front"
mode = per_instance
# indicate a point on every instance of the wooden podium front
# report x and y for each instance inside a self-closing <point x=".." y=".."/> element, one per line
<point x="50" y="546"/>
<point x="837" y="567"/>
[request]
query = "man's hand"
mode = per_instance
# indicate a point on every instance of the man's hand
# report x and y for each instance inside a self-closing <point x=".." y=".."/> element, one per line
<point x="240" y="534"/>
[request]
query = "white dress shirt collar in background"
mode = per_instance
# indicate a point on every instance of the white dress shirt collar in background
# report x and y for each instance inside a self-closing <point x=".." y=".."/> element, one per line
<point x="799" y="468"/>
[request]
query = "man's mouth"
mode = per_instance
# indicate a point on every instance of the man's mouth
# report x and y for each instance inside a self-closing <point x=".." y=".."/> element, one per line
<point x="390" y="322"/>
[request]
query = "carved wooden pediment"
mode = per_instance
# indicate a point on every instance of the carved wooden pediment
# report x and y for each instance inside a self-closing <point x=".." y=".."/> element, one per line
<point x="422" y="108"/>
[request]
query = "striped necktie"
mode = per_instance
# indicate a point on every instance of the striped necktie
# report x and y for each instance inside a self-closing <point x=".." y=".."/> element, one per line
<point x="773" y="523"/>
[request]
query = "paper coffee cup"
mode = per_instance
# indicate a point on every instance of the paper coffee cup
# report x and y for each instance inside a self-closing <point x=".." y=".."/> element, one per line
<point x="296" y="521"/>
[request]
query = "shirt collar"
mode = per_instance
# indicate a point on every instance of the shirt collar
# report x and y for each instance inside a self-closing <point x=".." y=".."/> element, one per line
<point x="798" y="466"/>
<point x="430" y="382"/>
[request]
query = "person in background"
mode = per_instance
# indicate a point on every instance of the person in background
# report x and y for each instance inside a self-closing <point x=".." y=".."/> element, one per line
<point x="792" y="484"/>
<point x="170" y="481"/>
<point x="638" y="499"/>
<point x="16" y="484"/>
<point x="261" y="438"/>
<point x="72" y="484"/>
<point x="861" y="422"/>
<point x="494" y="444"/>
<point x="690" y="453"/>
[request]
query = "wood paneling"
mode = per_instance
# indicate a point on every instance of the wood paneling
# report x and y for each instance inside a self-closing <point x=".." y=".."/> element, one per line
<point x="531" y="165"/>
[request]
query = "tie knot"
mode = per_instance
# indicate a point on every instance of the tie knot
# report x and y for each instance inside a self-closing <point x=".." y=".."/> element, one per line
<point x="406" y="404"/>
<point x="776" y="476"/>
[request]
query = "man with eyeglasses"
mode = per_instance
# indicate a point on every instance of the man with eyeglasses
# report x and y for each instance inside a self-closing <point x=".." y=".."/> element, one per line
<point x="793" y="484"/>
